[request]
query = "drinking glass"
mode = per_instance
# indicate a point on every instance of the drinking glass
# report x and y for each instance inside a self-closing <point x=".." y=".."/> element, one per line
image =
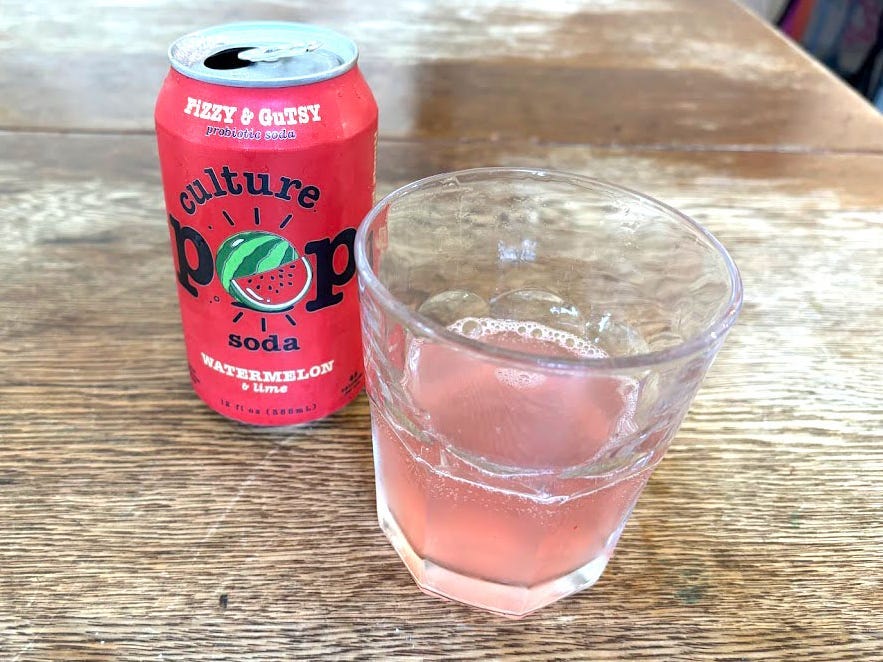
<point x="532" y="341"/>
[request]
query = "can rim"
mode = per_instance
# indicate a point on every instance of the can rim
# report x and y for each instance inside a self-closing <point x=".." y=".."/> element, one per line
<point x="344" y="47"/>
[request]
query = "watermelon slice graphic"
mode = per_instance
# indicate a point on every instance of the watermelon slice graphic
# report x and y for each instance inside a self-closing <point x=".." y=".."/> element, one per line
<point x="263" y="271"/>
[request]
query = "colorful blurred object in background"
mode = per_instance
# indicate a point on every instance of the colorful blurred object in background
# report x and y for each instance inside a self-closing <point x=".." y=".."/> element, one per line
<point x="846" y="35"/>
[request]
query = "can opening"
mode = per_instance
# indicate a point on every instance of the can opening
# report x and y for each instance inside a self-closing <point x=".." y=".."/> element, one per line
<point x="263" y="54"/>
<point x="228" y="59"/>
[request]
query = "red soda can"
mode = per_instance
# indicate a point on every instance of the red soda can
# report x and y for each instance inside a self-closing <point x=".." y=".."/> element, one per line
<point x="267" y="137"/>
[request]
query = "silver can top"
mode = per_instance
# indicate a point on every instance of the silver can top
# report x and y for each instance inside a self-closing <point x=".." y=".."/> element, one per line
<point x="263" y="54"/>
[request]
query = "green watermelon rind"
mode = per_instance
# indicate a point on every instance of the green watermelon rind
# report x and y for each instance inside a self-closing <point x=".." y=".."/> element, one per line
<point x="249" y="253"/>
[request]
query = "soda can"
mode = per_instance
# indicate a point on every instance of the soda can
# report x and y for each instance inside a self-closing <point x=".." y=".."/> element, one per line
<point x="267" y="136"/>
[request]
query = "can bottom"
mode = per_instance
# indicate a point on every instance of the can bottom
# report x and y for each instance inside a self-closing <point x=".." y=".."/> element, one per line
<point x="280" y="422"/>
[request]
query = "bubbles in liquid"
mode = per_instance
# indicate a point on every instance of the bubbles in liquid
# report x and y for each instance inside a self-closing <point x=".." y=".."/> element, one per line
<point x="452" y="305"/>
<point x="520" y="379"/>
<point x="616" y="397"/>
<point x="470" y="328"/>
<point x="537" y="305"/>
<point x="526" y="337"/>
<point x="543" y="341"/>
<point x="529" y="337"/>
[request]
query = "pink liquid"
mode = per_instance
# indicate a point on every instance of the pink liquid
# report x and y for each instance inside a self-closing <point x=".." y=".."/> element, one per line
<point x="483" y="515"/>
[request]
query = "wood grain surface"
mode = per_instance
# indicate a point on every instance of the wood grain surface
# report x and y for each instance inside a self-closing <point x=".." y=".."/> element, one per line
<point x="137" y="524"/>
<point x="606" y="72"/>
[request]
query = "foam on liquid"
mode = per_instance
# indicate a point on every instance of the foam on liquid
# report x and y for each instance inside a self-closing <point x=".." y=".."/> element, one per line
<point x="539" y="339"/>
<point x="525" y="336"/>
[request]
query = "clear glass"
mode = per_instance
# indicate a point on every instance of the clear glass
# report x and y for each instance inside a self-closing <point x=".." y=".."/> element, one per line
<point x="533" y="340"/>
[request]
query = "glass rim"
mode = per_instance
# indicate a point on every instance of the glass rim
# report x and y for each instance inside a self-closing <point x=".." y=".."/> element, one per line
<point x="431" y="329"/>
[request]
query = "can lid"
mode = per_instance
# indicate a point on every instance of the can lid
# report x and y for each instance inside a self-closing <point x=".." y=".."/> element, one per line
<point x="263" y="54"/>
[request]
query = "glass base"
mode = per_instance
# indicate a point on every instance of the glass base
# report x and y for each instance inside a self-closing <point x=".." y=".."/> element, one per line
<point x="511" y="601"/>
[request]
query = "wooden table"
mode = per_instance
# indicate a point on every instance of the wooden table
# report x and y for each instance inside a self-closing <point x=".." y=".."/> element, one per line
<point x="137" y="524"/>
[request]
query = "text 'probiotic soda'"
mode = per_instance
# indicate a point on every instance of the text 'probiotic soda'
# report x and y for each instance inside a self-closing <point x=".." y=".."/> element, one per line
<point x="267" y="134"/>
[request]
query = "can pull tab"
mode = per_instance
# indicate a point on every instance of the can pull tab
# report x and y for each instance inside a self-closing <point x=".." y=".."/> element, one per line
<point x="276" y="53"/>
